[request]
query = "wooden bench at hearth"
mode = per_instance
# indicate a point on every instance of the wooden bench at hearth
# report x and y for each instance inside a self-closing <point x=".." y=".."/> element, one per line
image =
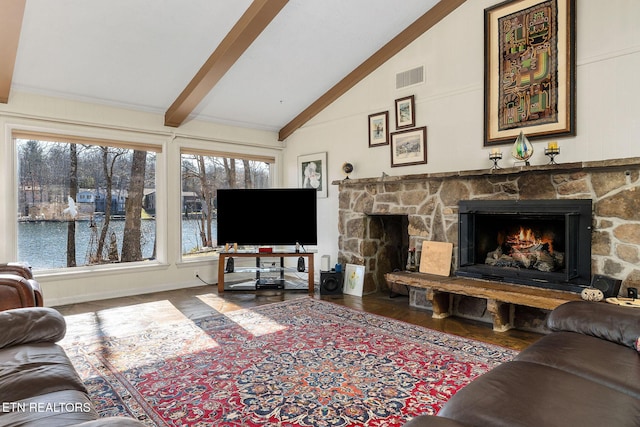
<point x="500" y="296"/>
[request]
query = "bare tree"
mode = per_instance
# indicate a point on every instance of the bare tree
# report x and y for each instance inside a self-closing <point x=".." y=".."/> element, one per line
<point x="108" y="165"/>
<point x="248" y="179"/>
<point x="206" y="193"/>
<point x="230" y="169"/>
<point x="73" y="193"/>
<point x="131" y="248"/>
<point x="31" y="167"/>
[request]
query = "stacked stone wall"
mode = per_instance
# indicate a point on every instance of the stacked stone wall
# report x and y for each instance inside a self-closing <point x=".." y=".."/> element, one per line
<point x="430" y="202"/>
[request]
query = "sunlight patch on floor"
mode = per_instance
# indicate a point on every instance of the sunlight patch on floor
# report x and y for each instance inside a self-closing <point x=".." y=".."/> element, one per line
<point x="161" y="322"/>
<point x="255" y="323"/>
<point x="219" y="304"/>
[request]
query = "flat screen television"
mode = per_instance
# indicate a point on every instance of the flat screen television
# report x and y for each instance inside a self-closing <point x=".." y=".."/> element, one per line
<point x="274" y="216"/>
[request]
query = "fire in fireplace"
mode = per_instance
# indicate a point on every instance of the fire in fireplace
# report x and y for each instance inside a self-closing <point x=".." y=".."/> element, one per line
<point x="544" y="243"/>
<point x="527" y="246"/>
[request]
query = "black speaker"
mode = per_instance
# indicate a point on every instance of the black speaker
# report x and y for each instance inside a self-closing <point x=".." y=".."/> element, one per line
<point x="330" y="283"/>
<point x="608" y="285"/>
<point x="230" y="266"/>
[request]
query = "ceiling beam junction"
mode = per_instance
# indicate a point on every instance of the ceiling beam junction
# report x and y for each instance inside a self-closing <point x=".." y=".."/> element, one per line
<point x="255" y="19"/>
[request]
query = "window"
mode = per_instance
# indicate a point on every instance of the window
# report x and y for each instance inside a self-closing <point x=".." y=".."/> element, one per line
<point x="202" y="174"/>
<point x="83" y="201"/>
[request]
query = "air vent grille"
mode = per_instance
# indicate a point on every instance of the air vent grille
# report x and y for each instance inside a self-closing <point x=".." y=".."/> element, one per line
<point x="410" y="77"/>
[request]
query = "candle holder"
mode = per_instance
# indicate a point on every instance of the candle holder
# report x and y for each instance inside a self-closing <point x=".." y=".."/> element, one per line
<point x="495" y="157"/>
<point x="552" y="153"/>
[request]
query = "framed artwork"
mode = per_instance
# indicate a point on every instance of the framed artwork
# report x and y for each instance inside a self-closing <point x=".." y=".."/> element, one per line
<point x="405" y="112"/>
<point x="409" y="147"/>
<point x="379" y="129"/>
<point x="530" y="68"/>
<point x="312" y="172"/>
<point x="353" y="280"/>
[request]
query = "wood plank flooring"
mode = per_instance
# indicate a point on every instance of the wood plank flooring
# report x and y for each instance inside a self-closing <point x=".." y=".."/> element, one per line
<point x="204" y="301"/>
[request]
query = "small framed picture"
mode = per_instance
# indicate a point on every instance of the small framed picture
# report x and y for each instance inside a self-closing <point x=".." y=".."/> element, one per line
<point x="405" y="112"/>
<point x="353" y="279"/>
<point x="312" y="172"/>
<point x="409" y="147"/>
<point x="379" y="129"/>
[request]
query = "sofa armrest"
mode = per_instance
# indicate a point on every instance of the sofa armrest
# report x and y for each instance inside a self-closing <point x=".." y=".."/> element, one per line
<point x="433" y="421"/>
<point x="31" y="325"/>
<point x="16" y="292"/>
<point x="610" y="322"/>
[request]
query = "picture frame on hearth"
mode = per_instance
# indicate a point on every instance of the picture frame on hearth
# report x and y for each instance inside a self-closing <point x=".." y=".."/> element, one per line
<point x="353" y="280"/>
<point x="312" y="172"/>
<point x="529" y="70"/>
<point x="409" y="147"/>
<point x="405" y="112"/>
<point x="378" y="129"/>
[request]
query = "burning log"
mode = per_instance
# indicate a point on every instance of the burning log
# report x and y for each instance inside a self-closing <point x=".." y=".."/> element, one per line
<point x="537" y="257"/>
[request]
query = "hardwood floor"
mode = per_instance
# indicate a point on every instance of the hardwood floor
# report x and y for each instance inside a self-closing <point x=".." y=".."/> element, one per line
<point x="204" y="300"/>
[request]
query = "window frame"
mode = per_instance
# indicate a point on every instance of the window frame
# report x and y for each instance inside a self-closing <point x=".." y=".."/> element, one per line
<point x="148" y="141"/>
<point x="268" y="155"/>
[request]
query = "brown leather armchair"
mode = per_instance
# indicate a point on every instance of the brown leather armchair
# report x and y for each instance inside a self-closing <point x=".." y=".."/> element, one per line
<point x="18" y="288"/>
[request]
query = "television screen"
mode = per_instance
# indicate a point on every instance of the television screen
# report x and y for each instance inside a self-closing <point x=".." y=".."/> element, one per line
<point x="274" y="216"/>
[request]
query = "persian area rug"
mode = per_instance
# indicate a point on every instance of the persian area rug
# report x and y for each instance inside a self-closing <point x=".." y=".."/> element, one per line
<point x="302" y="362"/>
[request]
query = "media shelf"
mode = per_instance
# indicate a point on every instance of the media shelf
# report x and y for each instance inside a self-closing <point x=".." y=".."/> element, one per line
<point x="269" y="274"/>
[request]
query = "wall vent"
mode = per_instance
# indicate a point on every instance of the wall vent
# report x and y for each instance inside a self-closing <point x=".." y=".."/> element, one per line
<point x="410" y="77"/>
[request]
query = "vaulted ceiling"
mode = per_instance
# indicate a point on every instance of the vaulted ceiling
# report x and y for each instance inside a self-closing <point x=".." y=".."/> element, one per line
<point x="264" y="64"/>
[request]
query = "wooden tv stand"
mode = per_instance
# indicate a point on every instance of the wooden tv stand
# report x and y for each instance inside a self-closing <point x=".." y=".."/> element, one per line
<point x="258" y="255"/>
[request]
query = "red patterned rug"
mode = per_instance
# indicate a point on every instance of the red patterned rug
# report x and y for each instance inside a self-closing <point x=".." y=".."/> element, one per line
<point x="302" y="362"/>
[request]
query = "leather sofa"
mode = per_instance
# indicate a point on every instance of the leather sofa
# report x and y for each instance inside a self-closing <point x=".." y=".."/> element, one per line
<point x="38" y="384"/>
<point x="18" y="288"/>
<point x="585" y="372"/>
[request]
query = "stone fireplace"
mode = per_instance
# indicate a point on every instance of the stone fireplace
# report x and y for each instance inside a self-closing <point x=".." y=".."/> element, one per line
<point x="375" y="212"/>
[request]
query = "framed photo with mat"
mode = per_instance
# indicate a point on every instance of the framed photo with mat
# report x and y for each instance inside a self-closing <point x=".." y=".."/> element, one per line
<point x="312" y="172"/>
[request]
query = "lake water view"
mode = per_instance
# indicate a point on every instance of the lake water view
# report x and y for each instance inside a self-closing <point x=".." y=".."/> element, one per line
<point x="43" y="244"/>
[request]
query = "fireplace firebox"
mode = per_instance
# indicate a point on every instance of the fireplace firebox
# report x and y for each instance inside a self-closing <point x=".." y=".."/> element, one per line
<point x="544" y="243"/>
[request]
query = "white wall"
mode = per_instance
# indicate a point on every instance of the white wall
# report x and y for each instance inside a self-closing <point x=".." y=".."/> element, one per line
<point x="450" y="103"/>
<point x="27" y="111"/>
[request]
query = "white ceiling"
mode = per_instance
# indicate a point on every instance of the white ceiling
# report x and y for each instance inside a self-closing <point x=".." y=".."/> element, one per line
<point x="141" y="54"/>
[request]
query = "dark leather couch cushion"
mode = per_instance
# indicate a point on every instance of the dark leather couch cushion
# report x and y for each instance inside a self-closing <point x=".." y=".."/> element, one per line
<point x="29" y="325"/>
<point x="518" y="394"/>
<point x="433" y="421"/>
<point x="35" y="369"/>
<point x="610" y="322"/>
<point x="607" y="363"/>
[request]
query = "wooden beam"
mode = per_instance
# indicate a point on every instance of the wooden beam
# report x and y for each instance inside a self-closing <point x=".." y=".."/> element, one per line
<point x="402" y="40"/>
<point x="10" y="26"/>
<point x="245" y="31"/>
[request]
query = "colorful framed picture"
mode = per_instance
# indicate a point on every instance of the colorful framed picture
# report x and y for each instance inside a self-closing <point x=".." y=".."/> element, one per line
<point x="312" y="172"/>
<point x="353" y="280"/>
<point x="409" y="147"/>
<point x="530" y="68"/>
<point x="379" y="129"/>
<point x="405" y="112"/>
